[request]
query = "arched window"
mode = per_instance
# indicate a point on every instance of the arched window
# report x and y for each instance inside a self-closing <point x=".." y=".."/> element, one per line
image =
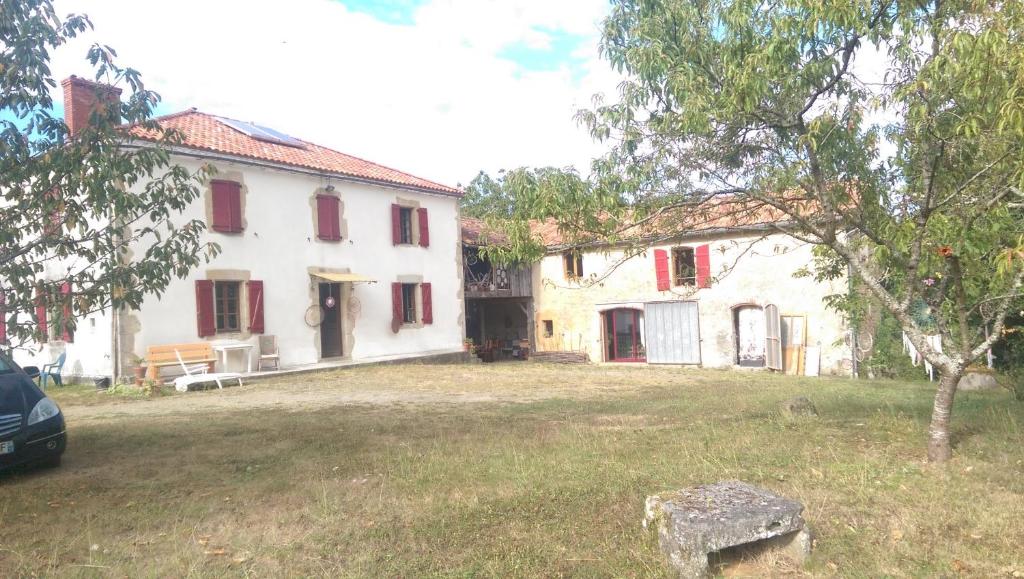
<point x="748" y="320"/>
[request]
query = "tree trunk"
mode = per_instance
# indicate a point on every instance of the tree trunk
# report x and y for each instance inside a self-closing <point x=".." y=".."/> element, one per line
<point x="939" y="448"/>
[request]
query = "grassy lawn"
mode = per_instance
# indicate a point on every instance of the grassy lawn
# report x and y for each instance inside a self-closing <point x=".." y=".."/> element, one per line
<point x="507" y="470"/>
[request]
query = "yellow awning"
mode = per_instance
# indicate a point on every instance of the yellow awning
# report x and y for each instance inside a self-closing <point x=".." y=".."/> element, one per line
<point x="344" y="277"/>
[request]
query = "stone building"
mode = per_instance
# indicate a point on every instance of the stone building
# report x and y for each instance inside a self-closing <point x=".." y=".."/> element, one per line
<point x="716" y="297"/>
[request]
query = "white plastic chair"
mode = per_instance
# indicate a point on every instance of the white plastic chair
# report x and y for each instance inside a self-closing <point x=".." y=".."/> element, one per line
<point x="198" y="373"/>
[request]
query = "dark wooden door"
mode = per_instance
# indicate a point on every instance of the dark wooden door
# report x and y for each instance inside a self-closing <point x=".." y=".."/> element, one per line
<point x="330" y="327"/>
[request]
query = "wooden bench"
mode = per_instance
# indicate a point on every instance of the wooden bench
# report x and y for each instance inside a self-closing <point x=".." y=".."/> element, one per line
<point x="158" y="357"/>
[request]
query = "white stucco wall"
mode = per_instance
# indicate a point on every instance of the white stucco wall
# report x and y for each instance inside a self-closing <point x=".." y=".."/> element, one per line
<point x="751" y="270"/>
<point x="279" y="247"/>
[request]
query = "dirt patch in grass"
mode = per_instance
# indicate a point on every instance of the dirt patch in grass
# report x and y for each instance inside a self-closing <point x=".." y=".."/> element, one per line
<point x="507" y="470"/>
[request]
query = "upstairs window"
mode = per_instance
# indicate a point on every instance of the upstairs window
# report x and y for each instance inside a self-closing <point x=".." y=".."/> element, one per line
<point x="409" y="225"/>
<point x="405" y="225"/>
<point x="227" y="206"/>
<point x="572" y="262"/>
<point x="684" y="266"/>
<point x="328" y="218"/>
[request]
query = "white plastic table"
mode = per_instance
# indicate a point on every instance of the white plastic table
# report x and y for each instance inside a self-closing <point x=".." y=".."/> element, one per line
<point x="223" y="350"/>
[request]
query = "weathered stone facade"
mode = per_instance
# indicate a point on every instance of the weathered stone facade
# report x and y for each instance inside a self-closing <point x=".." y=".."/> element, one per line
<point x="747" y="268"/>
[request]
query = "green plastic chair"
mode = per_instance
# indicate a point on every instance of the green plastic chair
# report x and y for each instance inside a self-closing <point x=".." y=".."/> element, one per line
<point x="52" y="370"/>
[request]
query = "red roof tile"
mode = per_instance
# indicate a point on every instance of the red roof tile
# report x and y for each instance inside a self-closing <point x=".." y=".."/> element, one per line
<point x="210" y="133"/>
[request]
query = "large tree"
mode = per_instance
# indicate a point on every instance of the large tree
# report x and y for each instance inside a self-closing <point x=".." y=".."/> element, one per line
<point x="887" y="132"/>
<point x="87" y="221"/>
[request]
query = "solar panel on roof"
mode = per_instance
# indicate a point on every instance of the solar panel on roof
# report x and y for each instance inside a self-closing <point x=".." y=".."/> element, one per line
<point x="263" y="133"/>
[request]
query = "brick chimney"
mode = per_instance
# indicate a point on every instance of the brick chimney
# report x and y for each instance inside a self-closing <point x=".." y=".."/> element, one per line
<point x="83" y="97"/>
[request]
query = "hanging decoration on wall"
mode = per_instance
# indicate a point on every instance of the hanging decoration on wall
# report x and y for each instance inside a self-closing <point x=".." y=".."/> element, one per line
<point x="329" y="301"/>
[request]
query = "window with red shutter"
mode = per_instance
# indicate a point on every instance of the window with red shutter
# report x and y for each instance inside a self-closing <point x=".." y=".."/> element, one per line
<point x="424" y="227"/>
<point x="328" y="218"/>
<point x="661" y="269"/>
<point x="227" y="206"/>
<point x="255" y="306"/>
<point x="205" y="322"/>
<point x="428" y="303"/>
<point x="67" y="333"/>
<point x="703" y="258"/>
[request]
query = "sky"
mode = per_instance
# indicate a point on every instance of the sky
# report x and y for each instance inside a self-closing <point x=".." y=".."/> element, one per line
<point x="438" y="88"/>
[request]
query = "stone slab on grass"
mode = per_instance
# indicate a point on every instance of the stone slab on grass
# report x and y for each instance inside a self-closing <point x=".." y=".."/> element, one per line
<point x="693" y="523"/>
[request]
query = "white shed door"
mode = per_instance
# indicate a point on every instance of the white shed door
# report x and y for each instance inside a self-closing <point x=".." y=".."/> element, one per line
<point x="773" y="337"/>
<point x="673" y="335"/>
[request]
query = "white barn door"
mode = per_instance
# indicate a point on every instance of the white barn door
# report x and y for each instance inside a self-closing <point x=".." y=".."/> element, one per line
<point x="673" y="333"/>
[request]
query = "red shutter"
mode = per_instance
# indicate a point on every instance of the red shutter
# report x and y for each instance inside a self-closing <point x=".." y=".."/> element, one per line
<point x="255" y="306"/>
<point x="327" y="222"/>
<point x="41" y="325"/>
<point x="205" y="321"/>
<point x="428" y="304"/>
<point x="703" y="259"/>
<point x="227" y="206"/>
<point x="396" y="304"/>
<point x="661" y="269"/>
<point x="65" y="292"/>
<point x="424" y="227"/>
<point x="3" y="319"/>
<point x="235" y="202"/>
<point x="396" y="224"/>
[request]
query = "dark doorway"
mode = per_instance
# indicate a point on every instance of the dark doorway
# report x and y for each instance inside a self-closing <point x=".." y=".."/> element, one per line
<point x="330" y="327"/>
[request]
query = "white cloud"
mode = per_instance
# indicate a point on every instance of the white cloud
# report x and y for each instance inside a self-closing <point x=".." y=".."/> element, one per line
<point x="435" y="99"/>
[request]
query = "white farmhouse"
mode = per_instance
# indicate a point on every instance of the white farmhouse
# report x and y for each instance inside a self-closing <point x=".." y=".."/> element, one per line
<point x="339" y="258"/>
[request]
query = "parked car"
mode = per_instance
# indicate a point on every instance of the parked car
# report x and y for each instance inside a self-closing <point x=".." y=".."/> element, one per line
<point x="31" y="424"/>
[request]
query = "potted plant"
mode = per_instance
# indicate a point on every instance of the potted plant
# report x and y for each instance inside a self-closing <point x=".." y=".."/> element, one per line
<point x="468" y="344"/>
<point x="139" y="369"/>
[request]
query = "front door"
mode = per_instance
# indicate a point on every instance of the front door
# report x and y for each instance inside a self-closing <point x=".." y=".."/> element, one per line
<point x="623" y="336"/>
<point x="330" y="327"/>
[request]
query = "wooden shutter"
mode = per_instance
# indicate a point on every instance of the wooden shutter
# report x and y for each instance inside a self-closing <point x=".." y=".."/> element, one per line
<point x="3" y="318"/>
<point x="396" y="224"/>
<point x="661" y="269"/>
<point x="424" y="227"/>
<point x="65" y="299"/>
<point x="41" y="325"/>
<point x="205" y="321"/>
<point x="772" y="337"/>
<point x="327" y="219"/>
<point x="396" y="304"/>
<point x="702" y="256"/>
<point x="428" y="305"/>
<point x="227" y="206"/>
<point x="255" y="306"/>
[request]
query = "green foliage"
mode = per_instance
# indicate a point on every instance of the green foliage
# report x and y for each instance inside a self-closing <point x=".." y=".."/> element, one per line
<point x="888" y="360"/>
<point x="96" y="211"/>
<point x="486" y="196"/>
